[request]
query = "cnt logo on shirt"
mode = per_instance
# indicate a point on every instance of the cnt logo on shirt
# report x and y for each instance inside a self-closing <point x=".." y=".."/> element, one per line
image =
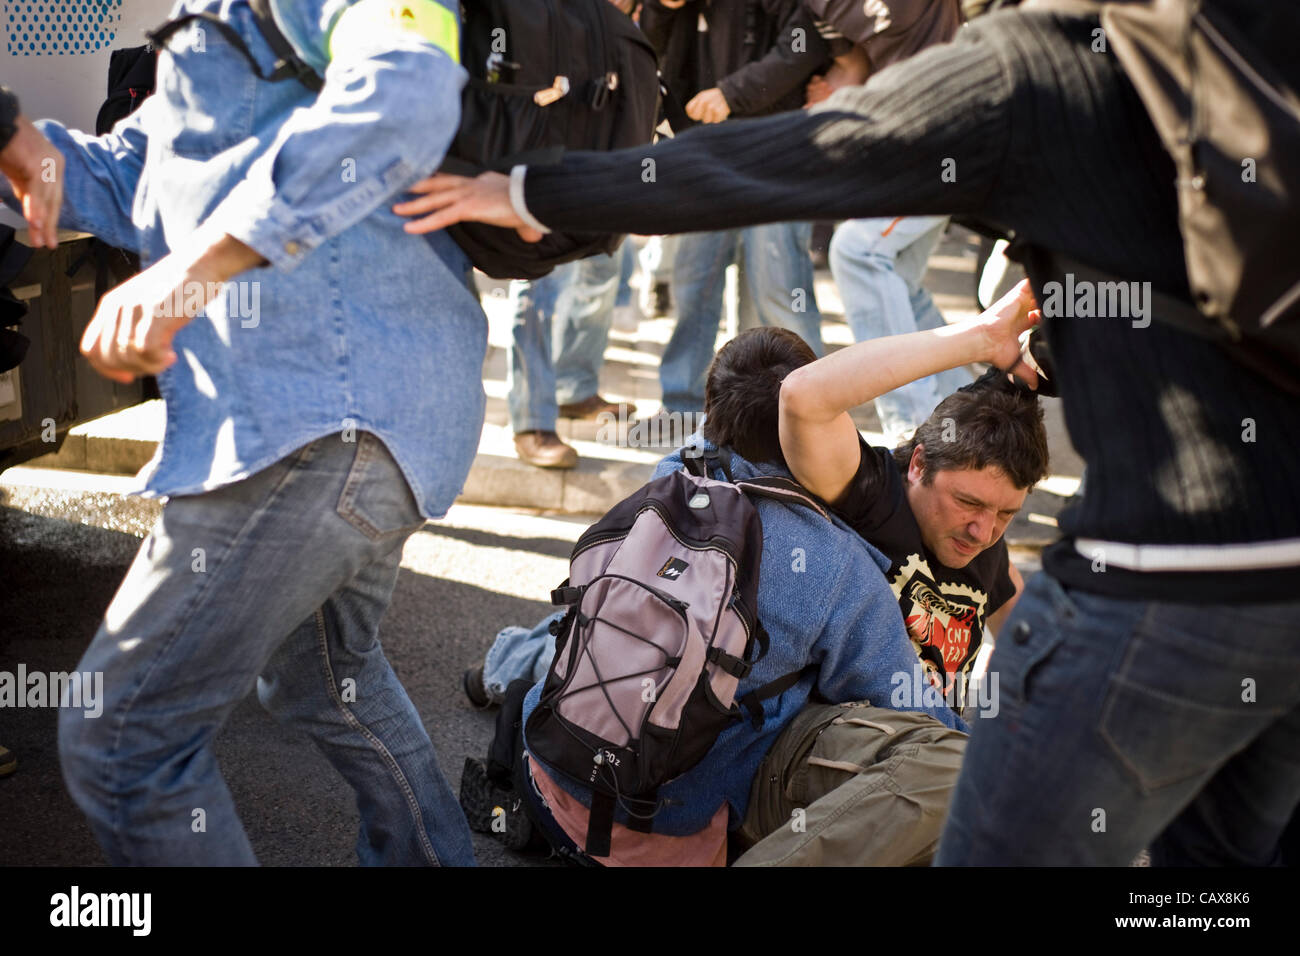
<point x="944" y="619"/>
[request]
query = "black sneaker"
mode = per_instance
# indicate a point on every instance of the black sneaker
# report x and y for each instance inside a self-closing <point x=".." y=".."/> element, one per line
<point x="471" y="682"/>
<point x="493" y="809"/>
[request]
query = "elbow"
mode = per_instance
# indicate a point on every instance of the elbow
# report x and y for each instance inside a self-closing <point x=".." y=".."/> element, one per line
<point x="799" y="400"/>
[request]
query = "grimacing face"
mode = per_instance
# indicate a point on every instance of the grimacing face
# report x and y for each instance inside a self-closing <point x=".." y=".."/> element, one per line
<point x="962" y="511"/>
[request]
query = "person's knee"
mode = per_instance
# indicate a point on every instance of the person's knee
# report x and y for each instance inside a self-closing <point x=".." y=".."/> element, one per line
<point x="848" y="248"/>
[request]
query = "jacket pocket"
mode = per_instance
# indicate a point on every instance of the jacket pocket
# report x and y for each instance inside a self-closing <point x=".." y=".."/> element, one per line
<point x="208" y="87"/>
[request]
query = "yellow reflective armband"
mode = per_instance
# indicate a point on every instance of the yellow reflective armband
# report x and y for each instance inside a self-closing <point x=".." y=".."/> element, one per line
<point x="370" y="21"/>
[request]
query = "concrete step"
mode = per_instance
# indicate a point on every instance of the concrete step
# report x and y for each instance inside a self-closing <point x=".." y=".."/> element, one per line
<point x="613" y="462"/>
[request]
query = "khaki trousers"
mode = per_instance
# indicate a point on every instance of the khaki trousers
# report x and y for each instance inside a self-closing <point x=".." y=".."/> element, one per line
<point x="852" y="785"/>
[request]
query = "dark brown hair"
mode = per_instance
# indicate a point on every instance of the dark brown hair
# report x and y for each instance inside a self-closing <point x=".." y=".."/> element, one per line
<point x="987" y="423"/>
<point x="743" y="391"/>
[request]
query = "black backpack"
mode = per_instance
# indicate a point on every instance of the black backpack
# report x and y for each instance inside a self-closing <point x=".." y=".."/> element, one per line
<point x="544" y="76"/>
<point x="131" y="79"/>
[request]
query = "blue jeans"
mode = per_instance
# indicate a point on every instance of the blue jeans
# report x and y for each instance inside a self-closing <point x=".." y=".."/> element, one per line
<point x="582" y="320"/>
<point x="276" y="582"/>
<point x="1126" y="724"/>
<point x="519" y="653"/>
<point x="561" y="328"/>
<point x="778" y="273"/>
<point x="531" y="375"/>
<point x="627" y="264"/>
<point x="878" y="265"/>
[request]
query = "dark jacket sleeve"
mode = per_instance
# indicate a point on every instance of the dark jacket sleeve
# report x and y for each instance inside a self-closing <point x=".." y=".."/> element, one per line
<point x="874" y="150"/>
<point x="797" y="53"/>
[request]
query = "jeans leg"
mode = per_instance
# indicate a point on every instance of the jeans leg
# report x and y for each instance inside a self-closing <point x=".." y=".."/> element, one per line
<point x="583" y="314"/>
<point x="331" y="680"/>
<point x="519" y="653"/>
<point x="779" y="273"/>
<point x="1114" y="716"/>
<point x="879" y="300"/>
<point x="531" y="376"/>
<point x="627" y="262"/>
<point x="215" y="590"/>
<point x="699" y="277"/>
<point x="1240" y="816"/>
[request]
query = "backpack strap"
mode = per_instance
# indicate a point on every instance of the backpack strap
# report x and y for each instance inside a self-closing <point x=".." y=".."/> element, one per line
<point x="288" y="65"/>
<point x="600" y="824"/>
<point x="785" y="490"/>
<point x="753" y="701"/>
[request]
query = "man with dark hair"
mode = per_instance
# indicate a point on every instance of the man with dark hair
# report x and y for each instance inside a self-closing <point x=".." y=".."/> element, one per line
<point x="936" y="506"/>
<point x="830" y="614"/>
<point x="741" y="414"/>
<point x="939" y="503"/>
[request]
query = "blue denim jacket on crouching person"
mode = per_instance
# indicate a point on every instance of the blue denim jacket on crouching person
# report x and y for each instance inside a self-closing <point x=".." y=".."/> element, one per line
<point x="355" y="324"/>
<point x="833" y="608"/>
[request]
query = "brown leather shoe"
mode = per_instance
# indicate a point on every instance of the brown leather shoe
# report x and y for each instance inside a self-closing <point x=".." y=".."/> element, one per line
<point x="593" y="406"/>
<point x="545" y="450"/>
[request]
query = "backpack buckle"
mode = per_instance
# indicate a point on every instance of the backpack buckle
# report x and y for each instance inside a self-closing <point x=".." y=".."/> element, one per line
<point x="733" y="665"/>
<point x="566" y="595"/>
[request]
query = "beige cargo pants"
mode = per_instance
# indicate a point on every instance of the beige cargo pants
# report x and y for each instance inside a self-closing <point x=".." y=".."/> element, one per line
<point x="852" y="785"/>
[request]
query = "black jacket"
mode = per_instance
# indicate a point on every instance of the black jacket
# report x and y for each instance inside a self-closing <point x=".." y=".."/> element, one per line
<point x="760" y="53"/>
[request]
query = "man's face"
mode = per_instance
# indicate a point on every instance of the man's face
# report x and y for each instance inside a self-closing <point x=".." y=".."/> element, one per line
<point x="962" y="511"/>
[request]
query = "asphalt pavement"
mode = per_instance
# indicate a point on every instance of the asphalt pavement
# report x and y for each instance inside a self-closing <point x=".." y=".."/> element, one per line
<point x="460" y="582"/>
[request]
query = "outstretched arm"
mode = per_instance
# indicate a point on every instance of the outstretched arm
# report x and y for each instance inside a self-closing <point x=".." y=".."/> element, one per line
<point x="818" y="437"/>
<point x="930" y="135"/>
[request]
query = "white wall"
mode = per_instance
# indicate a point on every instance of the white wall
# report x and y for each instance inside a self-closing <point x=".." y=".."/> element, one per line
<point x="69" y="84"/>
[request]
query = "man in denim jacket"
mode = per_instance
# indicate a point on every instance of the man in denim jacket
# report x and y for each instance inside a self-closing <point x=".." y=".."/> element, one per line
<point x="320" y="407"/>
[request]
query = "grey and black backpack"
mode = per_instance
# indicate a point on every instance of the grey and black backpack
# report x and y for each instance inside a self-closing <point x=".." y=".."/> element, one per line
<point x="661" y="628"/>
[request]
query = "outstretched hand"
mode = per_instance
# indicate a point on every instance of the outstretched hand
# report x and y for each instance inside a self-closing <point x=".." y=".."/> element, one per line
<point x="34" y="169"/>
<point x="1003" y="325"/>
<point x="444" y="200"/>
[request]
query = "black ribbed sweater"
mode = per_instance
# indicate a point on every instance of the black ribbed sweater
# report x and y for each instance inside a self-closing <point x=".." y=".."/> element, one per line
<point x="1044" y="137"/>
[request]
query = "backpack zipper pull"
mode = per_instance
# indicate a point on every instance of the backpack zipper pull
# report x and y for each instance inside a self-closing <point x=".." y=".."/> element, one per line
<point x="558" y="88"/>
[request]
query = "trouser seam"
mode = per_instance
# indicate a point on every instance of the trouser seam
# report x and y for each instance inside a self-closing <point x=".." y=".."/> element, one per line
<point x="376" y="744"/>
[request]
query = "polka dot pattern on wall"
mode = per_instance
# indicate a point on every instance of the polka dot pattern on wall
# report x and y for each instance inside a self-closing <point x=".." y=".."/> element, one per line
<point x="61" y="29"/>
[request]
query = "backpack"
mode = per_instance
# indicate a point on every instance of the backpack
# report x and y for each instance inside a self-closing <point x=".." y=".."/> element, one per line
<point x="131" y="80"/>
<point x="1230" y="120"/>
<point x="661" y="628"/>
<point x="544" y="76"/>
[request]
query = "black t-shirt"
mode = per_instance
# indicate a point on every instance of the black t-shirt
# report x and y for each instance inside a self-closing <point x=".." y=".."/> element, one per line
<point x="945" y="608"/>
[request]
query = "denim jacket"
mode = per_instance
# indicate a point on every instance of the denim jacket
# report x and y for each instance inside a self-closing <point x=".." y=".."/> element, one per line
<point x="832" y="608"/>
<point x="354" y="325"/>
